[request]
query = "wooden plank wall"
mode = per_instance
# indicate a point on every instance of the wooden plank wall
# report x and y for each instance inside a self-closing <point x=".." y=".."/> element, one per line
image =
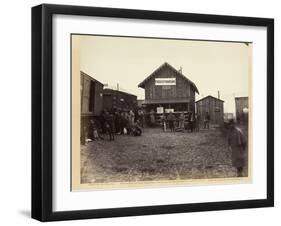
<point x="210" y="105"/>
<point x="85" y="82"/>
<point x="182" y="89"/>
<point x="240" y="104"/>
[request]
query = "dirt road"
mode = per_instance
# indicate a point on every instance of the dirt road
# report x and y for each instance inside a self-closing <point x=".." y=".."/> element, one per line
<point x="157" y="155"/>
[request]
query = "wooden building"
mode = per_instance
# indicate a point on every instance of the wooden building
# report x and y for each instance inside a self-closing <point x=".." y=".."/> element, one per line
<point x="119" y="100"/>
<point x="241" y="104"/>
<point x="168" y="89"/>
<point x="241" y="108"/>
<point x="91" y="93"/>
<point x="213" y="106"/>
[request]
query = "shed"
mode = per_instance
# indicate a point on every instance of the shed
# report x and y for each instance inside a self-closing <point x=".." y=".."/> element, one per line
<point x="242" y="108"/>
<point x="241" y="103"/>
<point x="213" y="106"/>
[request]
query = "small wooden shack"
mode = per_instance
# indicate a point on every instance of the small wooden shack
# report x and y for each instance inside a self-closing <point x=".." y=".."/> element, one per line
<point x="213" y="106"/>
<point x="241" y="108"/>
<point x="241" y="104"/>
<point x="167" y="88"/>
<point x="118" y="100"/>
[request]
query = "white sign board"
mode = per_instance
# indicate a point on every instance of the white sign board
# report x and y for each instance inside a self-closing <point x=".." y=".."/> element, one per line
<point x="160" y="110"/>
<point x="169" y="110"/>
<point x="165" y="81"/>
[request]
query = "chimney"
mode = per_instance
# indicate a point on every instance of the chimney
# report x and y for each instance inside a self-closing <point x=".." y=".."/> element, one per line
<point x="180" y="70"/>
<point x="218" y="94"/>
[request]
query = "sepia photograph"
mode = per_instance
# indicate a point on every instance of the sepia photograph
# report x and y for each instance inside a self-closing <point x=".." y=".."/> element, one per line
<point x="156" y="112"/>
<point x="139" y="112"/>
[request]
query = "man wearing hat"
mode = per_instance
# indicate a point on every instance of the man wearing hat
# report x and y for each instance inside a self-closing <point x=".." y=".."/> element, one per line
<point x="237" y="145"/>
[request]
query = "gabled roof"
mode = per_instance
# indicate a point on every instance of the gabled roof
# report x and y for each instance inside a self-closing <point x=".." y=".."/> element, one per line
<point x="241" y="98"/>
<point x="209" y="96"/>
<point x="83" y="73"/>
<point x="111" y="91"/>
<point x="142" y="84"/>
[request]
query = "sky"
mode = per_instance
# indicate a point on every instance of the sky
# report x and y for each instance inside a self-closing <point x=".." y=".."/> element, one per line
<point x="212" y="66"/>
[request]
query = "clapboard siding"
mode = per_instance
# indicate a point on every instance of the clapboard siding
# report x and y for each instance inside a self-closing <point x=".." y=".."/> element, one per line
<point x="240" y="104"/>
<point x="179" y="96"/>
<point x="182" y="89"/>
<point x="213" y="106"/>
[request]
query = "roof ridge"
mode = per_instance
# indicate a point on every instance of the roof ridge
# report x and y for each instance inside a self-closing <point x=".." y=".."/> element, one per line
<point x="83" y="72"/>
<point x="173" y="68"/>
<point x="207" y="97"/>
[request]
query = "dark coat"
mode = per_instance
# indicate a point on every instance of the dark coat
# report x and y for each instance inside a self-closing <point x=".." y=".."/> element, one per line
<point x="237" y="143"/>
<point x="109" y="120"/>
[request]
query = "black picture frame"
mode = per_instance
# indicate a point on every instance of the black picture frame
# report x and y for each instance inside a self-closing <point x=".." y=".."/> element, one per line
<point x="42" y="107"/>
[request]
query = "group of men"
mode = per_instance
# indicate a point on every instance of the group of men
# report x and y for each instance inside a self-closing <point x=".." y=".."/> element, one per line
<point x="113" y="121"/>
<point x="130" y="122"/>
<point x="181" y="122"/>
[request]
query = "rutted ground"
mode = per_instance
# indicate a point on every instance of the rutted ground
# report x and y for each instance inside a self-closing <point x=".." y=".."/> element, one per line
<point x="157" y="155"/>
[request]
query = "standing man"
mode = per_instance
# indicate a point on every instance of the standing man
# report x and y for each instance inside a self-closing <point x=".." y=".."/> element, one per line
<point x="117" y="122"/>
<point x="162" y="121"/>
<point x="207" y="121"/>
<point x="109" y="123"/>
<point x="132" y="117"/>
<point x="237" y="145"/>
<point x="181" y="121"/>
<point x="197" y="122"/>
<point x="141" y="117"/>
<point x="171" y="120"/>
<point x="152" y="118"/>
<point x="102" y="121"/>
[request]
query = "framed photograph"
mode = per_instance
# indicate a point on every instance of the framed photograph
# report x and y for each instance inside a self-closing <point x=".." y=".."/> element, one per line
<point x="146" y="112"/>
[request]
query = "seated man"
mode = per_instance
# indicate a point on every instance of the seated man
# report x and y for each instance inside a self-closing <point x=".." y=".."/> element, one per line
<point x="136" y="129"/>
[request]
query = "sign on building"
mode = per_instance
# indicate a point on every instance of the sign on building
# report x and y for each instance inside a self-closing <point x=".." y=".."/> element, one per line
<point x="165" y="81"/>
<point x="169" y="110"/>
<point x="160" y="110"/>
